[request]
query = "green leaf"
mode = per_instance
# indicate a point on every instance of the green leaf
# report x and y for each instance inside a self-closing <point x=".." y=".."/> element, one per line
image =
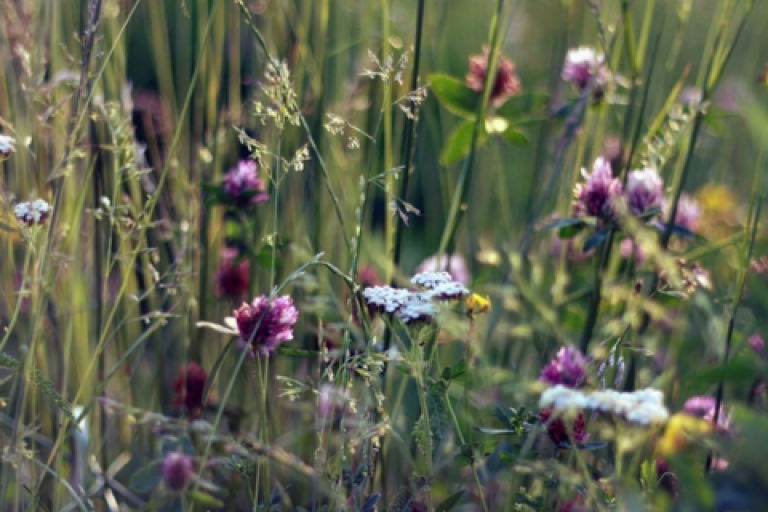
<point x="449" y="502"/>
<point x="203" y="499"/>
<point x="522" y="105"/>
<point x="147" y="478"/>
<point x="459" y="370"/>
<point x="595" y="240"/>
<point x="459" y="143"/>
<point x="515" y="137"/>
<point x="454" y="95"/>
<point x="564" y="223"/>
<point x="742" y="370"/>
<point x="6" y="227"/>
<point x="296" y="352"/>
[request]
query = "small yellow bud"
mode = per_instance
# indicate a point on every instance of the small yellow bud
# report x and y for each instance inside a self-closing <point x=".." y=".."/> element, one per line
<point x="680" y="431"/>
<point x="477" y="304"/>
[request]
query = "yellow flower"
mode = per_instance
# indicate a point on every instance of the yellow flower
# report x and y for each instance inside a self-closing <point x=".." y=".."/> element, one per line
<point x="680" y="431"/>
<point x="477" y="304"/>
<point x="719" y="211"/>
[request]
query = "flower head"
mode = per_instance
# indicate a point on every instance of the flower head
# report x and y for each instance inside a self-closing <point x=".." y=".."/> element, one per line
<point x="7" y="146"/>
<point x="332" y="402"/>
<point x="244" y="185"/>
<point x="704" y="407"/>
<point x="233" y="277"/>
<point x="581" y="64"/>
<point x="385" y="299"/>
<point x="645" y="190"/>
<point x="567" y="368"/>
<point x="680" y="429"/>
<point x="264" y="325"/>
<point x="178" y="471"/>
<point x="558" y="431"/>
<point x="596" y="195"/>
<point x="757" y="343"/>
<point x="34" y="212"/>
<point x="189" y="387"/>
<point x="417" y="308"/>
<point x="441" y="285"/>
<point x="688" y="212"/>
<point x="506" y="85"/>
<point x="454" y="265"/>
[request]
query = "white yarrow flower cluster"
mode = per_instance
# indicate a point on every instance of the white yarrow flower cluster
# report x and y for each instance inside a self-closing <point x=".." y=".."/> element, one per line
<point x="386" y="299"/>
<point x="440" y="285"/>
<point x="34" y="212"/>
<point x="415" y="306"/>
<point x="431" y="280"/>
<point x="7" y="146"/>
<point x="643" y="407"/>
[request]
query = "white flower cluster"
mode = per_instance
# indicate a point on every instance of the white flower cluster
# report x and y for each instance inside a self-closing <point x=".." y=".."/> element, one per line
<point x="440" y="285"/>
<point x="415" y="306"/>
<point x="34" y="212"/>
<point x="431" y="280"/>
<point x="7" y="146"/>
<point x="643" y="407"/>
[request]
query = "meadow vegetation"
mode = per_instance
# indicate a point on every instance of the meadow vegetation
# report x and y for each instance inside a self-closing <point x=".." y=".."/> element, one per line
<point x="393" y="255"/>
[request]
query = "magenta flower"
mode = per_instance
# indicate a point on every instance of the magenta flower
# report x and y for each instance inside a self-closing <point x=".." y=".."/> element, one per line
<point x="558" y="431"/>
<point x="178" y="471"/>
<point x="453" y="264"/>
<point x="263" y="335"/>
<point x="757" y="343"/>
<point x="704" y="407"/>
<point x="233" y="278"/>
<point x="629" y="248"/>
<point x="596" y="195"/>
<point x="645" y="190"/>
<point x="688" y="212"/>
<point x="581" y="64"/>
<point x="567" y="368"/>
<point x="244" y="185"/>
<point x="506" y="85"/>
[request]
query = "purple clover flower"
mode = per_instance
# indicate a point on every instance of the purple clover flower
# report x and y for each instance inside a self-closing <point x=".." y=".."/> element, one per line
<point x="178" y="471"/>
<point x="567" y="368"/>
<point x="506" y="83"/>
<point x="244" y="185"/>
<point x="275" y="328"/>
<point x="580" y="64"/>
<point x="595" y="196"/>
<point x="704" y="407"/>
<point x="645" y="190"/>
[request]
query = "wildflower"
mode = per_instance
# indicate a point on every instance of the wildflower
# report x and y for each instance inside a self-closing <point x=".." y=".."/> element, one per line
<point x="477" y="304"/>
<point x="644" y="191"/>
<point x="644" y="407"/>
<point x="30" y="213"/>
<point x="385" y="299"/>
<point x="667" y="480"/>
<point x="263" y="325"/>
<point x="562" y="400"/>
<point x="629" y="248"/>
<point x="243" y="184"/>
<point x="680" y="429"/>
<point x="233" y="277"/>
<point x="757" y="343"/>
<point x="576" y="505"/>
<point x="7" y="146"/>
<point x="567" y="368"/>
<point x="688" y="212"/>
<point x="417" y="309"/>
<point x="454" y="265"/>
<point x="558" y="432"/>
<point x="704" y="407"/>
<point x="368" y="276"/>
<point x="449" y="291"/>
<point x="595" y="196"/>
<point x="581" y="64"/>
<point x="430" y="280"/>
<point x="506" y="84"/>
<point x="189" y="387"/>
<point x="331" y="402"/>
<point x="178" y="471"/>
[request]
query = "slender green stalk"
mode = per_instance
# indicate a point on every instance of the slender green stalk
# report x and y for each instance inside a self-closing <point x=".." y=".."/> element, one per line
<point x="461" y="190"/>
